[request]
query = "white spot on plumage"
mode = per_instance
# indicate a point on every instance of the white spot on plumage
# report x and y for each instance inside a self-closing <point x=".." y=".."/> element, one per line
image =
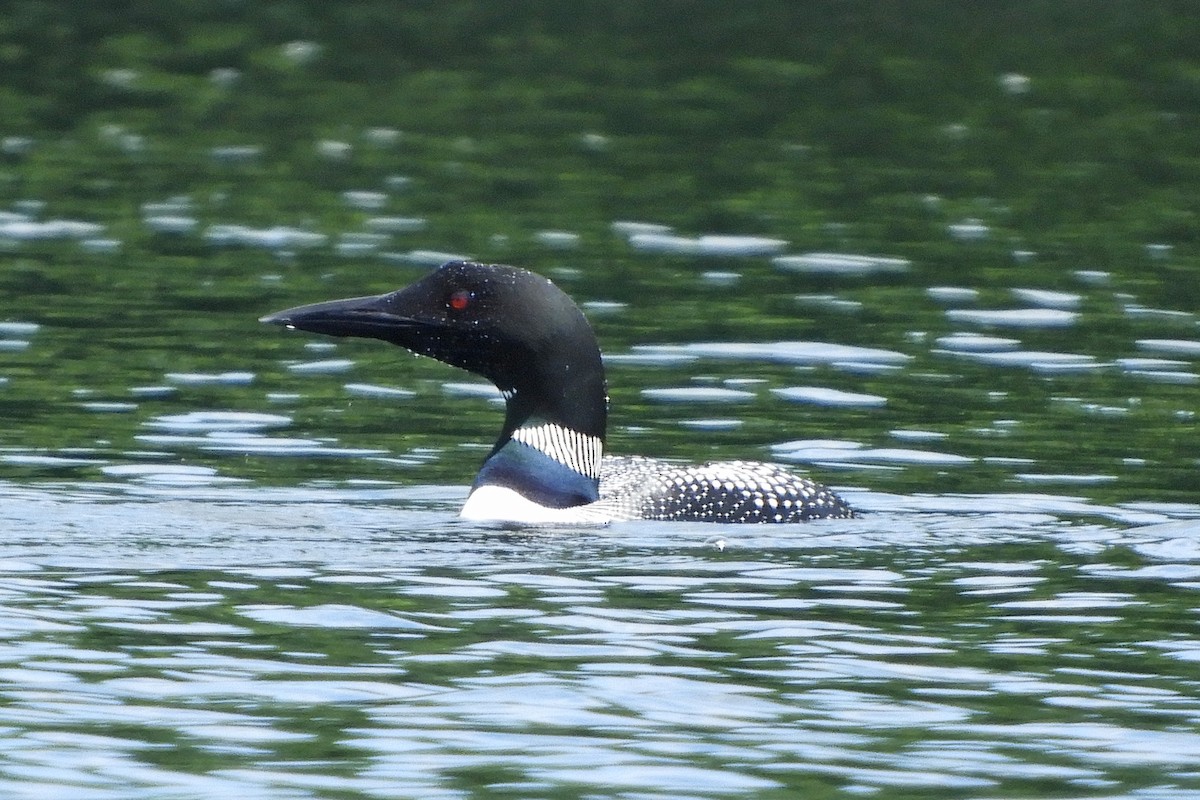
<point x="734" y="491"/>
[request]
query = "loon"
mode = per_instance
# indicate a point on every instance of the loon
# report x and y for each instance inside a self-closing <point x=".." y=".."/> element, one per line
<point x="518" y="330"/>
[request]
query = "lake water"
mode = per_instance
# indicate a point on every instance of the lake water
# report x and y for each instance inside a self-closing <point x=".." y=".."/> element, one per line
<point x="231" y="564"/>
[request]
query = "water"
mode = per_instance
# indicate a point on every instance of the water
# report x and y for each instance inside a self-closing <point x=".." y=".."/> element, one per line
<point x="365" y="643"/>
<point x="231" y="563"/>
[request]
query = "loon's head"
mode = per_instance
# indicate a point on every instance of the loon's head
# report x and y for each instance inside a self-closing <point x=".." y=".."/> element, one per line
<point x="509" y="325"/>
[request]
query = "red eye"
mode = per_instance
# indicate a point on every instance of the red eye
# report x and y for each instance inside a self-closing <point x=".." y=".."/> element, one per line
<point x="460" y="299"/>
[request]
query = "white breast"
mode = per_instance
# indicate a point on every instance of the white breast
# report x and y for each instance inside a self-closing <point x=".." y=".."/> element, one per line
<point x="501" y="504"/>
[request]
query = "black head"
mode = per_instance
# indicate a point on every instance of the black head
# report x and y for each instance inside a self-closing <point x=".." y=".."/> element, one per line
<point x="511" y="326"/>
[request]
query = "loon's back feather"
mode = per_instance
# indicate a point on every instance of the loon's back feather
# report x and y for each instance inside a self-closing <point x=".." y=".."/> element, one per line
<point x="638" y="487"/>
<point x="527" y="337"/>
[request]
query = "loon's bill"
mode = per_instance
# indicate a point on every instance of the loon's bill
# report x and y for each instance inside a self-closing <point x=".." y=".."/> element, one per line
<point x="519" y="331"/>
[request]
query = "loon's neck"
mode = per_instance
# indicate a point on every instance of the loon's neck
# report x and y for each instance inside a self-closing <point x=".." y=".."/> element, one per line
<point x="556" y="413"/>
<point x="557" y="382"/>
<point x="545" y="463"/>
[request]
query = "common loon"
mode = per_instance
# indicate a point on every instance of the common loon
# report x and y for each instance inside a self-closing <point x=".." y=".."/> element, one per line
<point x="522" y="333"/>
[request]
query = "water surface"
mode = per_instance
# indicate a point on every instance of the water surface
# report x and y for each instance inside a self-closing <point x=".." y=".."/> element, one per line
<point x="945" y="264"/>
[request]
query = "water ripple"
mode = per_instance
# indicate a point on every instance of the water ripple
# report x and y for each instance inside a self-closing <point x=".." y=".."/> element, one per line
<point x="822" y="396"/>
<point x="639" y="659"/>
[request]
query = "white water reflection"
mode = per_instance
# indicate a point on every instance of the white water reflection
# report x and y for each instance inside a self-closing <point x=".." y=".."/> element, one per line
<point x="841" y="264"/>
<point x="1174" y="347"/>
<point x="195" y="421"/>
<point x="385" y="392"/>
<point x="826" y="452"/>
<point x="231" y="378"/>
<point x="707" y="245"/>
<point x="822" y="396"/>
<point x="698" y="394"/>
<point x="1032" y="359"/>
<point x="1014" y="317"/>
<point x="20" y="228"/>
<point x="777" y="352"/>
<point x="328" y="366"/>
<point x="952" y="295"/>
<point x="1049" y="299"/>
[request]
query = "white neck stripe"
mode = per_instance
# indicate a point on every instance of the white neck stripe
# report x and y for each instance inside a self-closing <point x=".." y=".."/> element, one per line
<point x="571" y="448"/>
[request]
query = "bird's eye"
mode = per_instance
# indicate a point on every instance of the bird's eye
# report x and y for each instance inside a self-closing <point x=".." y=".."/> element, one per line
<point x="460" y="300"/>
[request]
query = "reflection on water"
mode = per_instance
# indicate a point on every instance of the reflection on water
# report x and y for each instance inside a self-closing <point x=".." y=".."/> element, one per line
<point x="279" y="644"/>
